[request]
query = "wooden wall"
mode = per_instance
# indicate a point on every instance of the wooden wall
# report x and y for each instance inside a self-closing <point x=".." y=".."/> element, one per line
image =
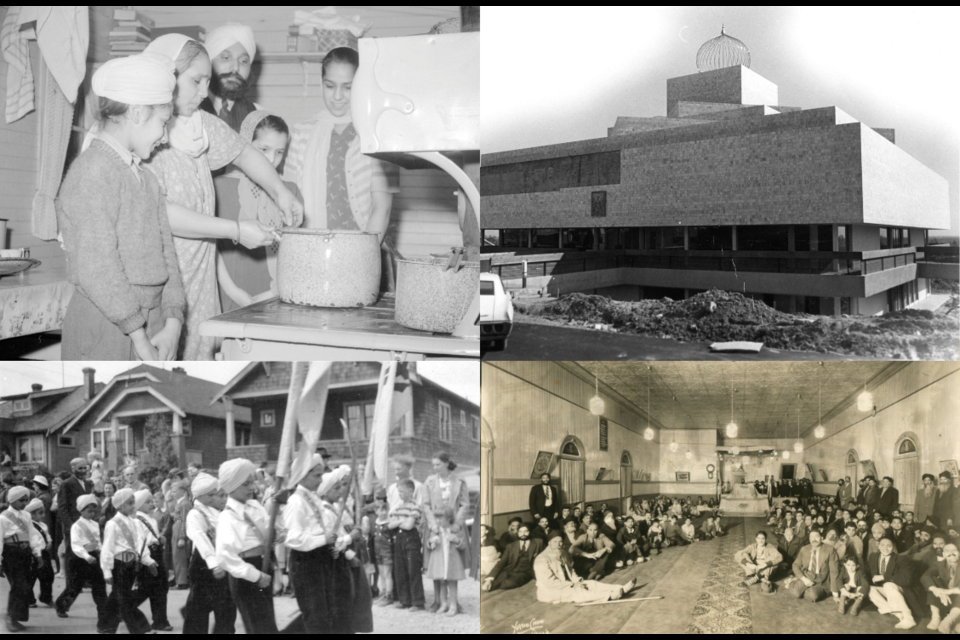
<point x="424" y="216"/>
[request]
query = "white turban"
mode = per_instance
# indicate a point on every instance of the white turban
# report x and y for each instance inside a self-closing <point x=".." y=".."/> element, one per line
<point x="228" y="35"/>
<point x="332" y="478"/>
<point x="141" y="79"/>
<point x="41" y="480"/>
<point x="33" y="505"/>
<point x="234" y="473"/>
<point x="85" y="501"/>
<point x="121" y="496"/>
<point x="203" y="484"/>
<point x="140" y="497"/>
<point x="77" y="462"/>
<point x="168" y="45"/>
<point x="16" y="493"/>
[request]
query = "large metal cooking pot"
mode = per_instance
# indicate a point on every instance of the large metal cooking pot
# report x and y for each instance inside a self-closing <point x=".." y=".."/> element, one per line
<point x="325" y="268"/>
<point x="432" y="297"/>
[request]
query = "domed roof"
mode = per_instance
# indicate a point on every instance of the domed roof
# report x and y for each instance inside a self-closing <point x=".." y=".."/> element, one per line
<point x="722" y="51"/>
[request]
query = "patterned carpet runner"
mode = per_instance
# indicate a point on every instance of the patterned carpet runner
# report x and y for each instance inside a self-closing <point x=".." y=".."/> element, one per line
<point x="724" y="603"/>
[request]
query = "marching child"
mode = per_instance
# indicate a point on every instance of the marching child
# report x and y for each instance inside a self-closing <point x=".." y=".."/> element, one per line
<point x="20" y="552"/>
<point x="153" y="584"/>
<point x="120" y="255"/>
<point x="445" y="568"/>
<point x="404" y="520"/>
<point x="383" y="551"/>
<point x="124" y="550"/>
<point x="44" y="573"/>
<point x="85" y="562"/>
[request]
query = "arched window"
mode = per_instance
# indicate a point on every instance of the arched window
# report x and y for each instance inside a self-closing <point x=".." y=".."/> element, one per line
<point x="853" y="470"/>
<point x="570" y="449"/>
<point x="625" y="460"/>
<point x="906" y="469"/>
<point x="907" y="446"/>
<point x="851" y="458"/>
<point x="572" y="470"/>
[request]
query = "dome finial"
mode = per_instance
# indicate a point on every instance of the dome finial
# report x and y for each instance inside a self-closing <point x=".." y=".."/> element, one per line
<point x="721" y="29"/>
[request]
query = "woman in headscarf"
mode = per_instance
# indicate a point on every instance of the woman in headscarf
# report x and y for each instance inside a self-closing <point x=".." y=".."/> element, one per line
<point x="441" y="490"/>
<point x="201" y="142"/>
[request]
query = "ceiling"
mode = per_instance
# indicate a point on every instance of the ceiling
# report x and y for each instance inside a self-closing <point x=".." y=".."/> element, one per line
<point x="697" y="395"/>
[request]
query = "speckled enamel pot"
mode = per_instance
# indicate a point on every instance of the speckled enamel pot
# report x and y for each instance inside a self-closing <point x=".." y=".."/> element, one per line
<point x="431" y="299"/>
<point x="324" y="268"/>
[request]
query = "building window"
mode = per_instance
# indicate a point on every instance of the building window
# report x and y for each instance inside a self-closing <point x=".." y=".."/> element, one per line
<point x="21" y="405"/>
<point x="242" y="436"/>
<point x="672" y="238"/>
<point x="359" y="417"/>
<point x="598" y="204"/>
<point x="572" y="469"/>
<point x="268" y="418"/>
<point x="884" y="238"/>
<point x="99" y="439"/>
<point x="491" y="238"/>
<point x="906" y="470"/>
<point x="546" y="238"/>
<point x="907" y="446"/>
<point x="764" y="237"/>
<point x="711" y="238"/>
<point x="446" y="427"/>
<point x="66" y="441"/>
<point x="475" y="427"/>
<point x="801" y="237"/>
<point x="553" y="174"/>
<point x="30" y="449"/>
<point x="187" y="427"/>
<point x="844" y="237"/>
<point x="516" y="237"/>
<point x="577" y="239"/>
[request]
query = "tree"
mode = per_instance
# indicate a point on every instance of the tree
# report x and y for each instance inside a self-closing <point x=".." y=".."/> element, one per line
<point x="160" y="455"/>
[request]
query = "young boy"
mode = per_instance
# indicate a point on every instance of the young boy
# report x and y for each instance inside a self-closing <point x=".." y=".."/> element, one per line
<point x="20" y="551"/>
<point x="209" y="589"/>
<point x="153" y="585"/>
<point x="408" y="549"/>
<point x="85" y="563"/>
<point x="45" y="572"/>
<point x="124" y="550"/>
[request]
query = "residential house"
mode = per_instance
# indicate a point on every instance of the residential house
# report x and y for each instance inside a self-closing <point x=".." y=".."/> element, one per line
<point x="427" y="417"/>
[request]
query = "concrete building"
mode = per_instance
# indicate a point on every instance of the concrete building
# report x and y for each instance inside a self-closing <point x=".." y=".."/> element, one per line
<point x="808" y="209"/>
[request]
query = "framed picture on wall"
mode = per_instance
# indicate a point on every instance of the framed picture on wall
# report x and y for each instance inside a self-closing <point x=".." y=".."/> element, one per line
<point x="683" y="476"/>
<point x="949" y="465"/>
<point x="542" y="465"/>
<point x="601" y="473"/>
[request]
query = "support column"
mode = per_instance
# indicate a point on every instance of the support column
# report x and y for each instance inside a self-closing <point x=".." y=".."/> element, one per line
<point x="733" y="235"/>
<point x="231" y="432"/>
<point x="113" y="447"/>
<point x="178" y="440"/>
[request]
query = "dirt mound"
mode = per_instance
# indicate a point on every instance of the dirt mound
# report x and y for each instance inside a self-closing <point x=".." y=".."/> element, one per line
<point x="722" y="316"/>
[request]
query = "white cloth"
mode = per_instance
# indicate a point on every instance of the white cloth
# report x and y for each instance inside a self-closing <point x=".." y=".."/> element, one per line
<point x="17" y="493"/>
<point x="85" y="501"/>
<point x="63" y="34"/>
<point x="17" y="525"/>
<point x="144" y="79"/>
<point x="84" y="538"/>
<point x="123" y="535"/>
<point x="225" y="36"/>
<point x="148" y="528"/>
<point x="121" y="496"/>
<point x="202" y="531"/>
<point x="33" y="505"/>
<point x="304" y="521"/>
<point x="326" y="19"/>
<point x="311" y="408"/>
<point x="332" y="478"/>
<point x="203" y="484"/>
<point x="13" y="44"/>
<point x="241" y="527"/>
<point x="889" y="599"/>
<point x="186" y="133"/>
<point x="234" y="473"/>
<point x="140" y="497"/>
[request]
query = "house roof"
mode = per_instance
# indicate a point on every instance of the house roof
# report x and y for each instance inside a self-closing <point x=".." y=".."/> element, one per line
<point x="55" y="415"/>
<point x="41" y="394"/>
<point x="184" y="394"/>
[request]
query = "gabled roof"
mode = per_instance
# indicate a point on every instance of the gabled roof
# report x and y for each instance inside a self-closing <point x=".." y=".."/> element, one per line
<point x="41" y="394"/>
<point x="184" y="394"/>
<point x="54" y="415"/>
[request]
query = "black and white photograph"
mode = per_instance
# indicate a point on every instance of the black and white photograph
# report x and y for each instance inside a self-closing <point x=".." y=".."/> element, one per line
<point x="720" y="183"/>
<point x="160" y="497"/>
<point x="780" y="498"/>
<point x="188" y="183"/>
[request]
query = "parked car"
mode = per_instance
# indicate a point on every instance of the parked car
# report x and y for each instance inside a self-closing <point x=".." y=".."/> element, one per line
<point x="496" y="313"/>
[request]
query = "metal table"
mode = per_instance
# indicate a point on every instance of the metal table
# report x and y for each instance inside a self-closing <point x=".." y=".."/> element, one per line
<point x="275" y="330"/>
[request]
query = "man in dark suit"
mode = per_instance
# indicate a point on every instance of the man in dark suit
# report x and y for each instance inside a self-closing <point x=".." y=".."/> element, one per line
<point x="871" y="497"/>
<point x="515" y="567"/>
<point x="71" y="489"/>
<point x="545" y="500"/>
<point x="889" y="499"/>
<point x="890" y="575"/>
<point x="542" y="530"/>
<point x="789" y="546"/>
<point x="902" y="538"/>
<point x="940" y="582"/>
<point x="943" y="504"/>
<point x="817" y="571"/>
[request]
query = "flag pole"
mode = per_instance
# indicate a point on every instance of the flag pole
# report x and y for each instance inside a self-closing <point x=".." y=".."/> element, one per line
<point x="356" y="481"/>
<point x="297" y="378"/>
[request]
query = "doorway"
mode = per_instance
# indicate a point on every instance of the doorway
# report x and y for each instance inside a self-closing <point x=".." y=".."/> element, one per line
<point x="852" y="466"/>
<point x="626" y="483"/>
<point x="788" y="471"/>
<point x="572" y="467"/>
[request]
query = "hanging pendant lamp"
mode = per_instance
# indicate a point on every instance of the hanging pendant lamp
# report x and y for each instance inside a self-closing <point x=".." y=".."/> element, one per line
<point x="596" y="402"/>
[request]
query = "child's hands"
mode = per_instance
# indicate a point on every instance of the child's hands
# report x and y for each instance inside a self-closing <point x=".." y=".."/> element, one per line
<point x="167" y="340"/>
<point x="290" y="206"/>
<point x="255" y="234"/>
<point x="143" y="347"/>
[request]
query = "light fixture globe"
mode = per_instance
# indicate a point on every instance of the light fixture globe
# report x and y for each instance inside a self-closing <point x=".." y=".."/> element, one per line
<point x="798" y="447"/>
<point x="786" y="455"/>
<point x="673" y="447"/>
<point x="689" y="454"/>
<point x="745" y="460"/>
<point x="732" y="430"/>
<point x="865" y="401"/>
<point x="648" y="434"/>
<point x="596" y="406"/>
<point x="736" y="451"/>
<point x="819" y="431"/>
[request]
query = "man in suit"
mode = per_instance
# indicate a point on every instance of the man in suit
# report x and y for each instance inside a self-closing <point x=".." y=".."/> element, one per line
<point x="889" y="575"/>
<point x="544" y="500"/>
<point x="889" y="498"/>
<point x="942" y="583"/>
<point x="515" y="567"/>
<point x="542" y="530"/>
<point x="902" y="538"/>
<point x="71" y="489"/>
<point x="789" y="546"/>
<point x="871" y="497"/>
<point x="943" y="505"/>
<point x="817" y="571"/>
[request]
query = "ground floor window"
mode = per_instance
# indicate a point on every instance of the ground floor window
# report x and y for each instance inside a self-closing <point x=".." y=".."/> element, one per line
<point x="100" y="438"/>
<point x="765" y="237"/>
<point x="546" y="238"/>
<point x="30" y="449"/>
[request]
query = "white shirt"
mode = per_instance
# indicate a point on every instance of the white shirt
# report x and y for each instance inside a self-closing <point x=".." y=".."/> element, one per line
<point x="17" y="525"/>
<point x="303" y="519"/>
<point x="202" y="531"/>
<point x="236" y="534"/>
<point x="394" y="499"/>
<point x="148" y="527"/>
<point x="122" y="535"/>
<point x="84" y="538"/>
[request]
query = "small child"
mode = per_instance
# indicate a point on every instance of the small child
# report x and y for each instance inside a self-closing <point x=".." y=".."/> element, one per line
<point x="249" y="275"/>
<point x="129" y="300"/>
<point x="383" y="539"/>
<point x="44" y="573"/>
<point x="124" y="550"/>
<point x="446" y="568"/>
<point x="489" y="556"/>
<point x="85" y="563"/>
<point x="404" y="520"/>
<point x="20" y="546"/>
<point x="655" y="536"/>
<point x="153" y="584"/>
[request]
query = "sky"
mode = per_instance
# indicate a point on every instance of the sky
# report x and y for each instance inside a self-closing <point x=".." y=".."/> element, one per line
<point x="566" y="73"/>
<point x="463" y="378"/>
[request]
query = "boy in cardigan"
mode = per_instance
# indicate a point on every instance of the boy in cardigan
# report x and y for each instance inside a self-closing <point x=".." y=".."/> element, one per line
<point x="408" y="549"/>
<point x="45" y="571"/>
<point x="124" y="550"/>
<point x="85" y="561"/>
<point x="116" y="233"/>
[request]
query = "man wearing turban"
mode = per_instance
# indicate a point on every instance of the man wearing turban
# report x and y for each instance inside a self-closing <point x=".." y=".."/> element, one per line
<point x="70" y="491"/>
<point x="232" y="49"/>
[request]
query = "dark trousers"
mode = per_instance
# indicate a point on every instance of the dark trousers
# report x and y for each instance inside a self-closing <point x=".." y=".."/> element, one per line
<point x="18" y="566"/>
<point x="322" y="604"/>
<point x="208" y="595"/>
<point x="123" y="600"/>
<point x="45" y="576"/>
<point x="254" y="604"/>
<point x="155" y="588"/>
<point x="408" y="568"/>
<point x="79" y="572"/>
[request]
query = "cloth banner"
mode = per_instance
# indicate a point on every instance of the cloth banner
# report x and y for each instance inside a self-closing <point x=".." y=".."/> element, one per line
<point x="377" y="453"/>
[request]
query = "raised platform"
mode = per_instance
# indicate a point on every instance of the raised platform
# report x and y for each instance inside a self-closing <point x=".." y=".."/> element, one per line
<point x="753" y="507"/>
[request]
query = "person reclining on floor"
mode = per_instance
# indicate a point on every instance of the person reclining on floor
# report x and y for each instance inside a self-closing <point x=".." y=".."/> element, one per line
<point x="633" y="547"/>
<point x="591" y="552"/>
<point x="816" y="571"/>
<point x="711" y="529"/>
<point x="671" y="533"/>
<point x="609" y="530"/>
<point x="510" y="535"/>
<point x="759" y="560"/>
<point x="515" y="567"/>
<point x="942" y="582"/>
<point x="890" y="575"/>
<point x="688" y="532"/>
<point x="558" y="583"/>
<point x="854" y="585"/>
<point x="655" y="536"/>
